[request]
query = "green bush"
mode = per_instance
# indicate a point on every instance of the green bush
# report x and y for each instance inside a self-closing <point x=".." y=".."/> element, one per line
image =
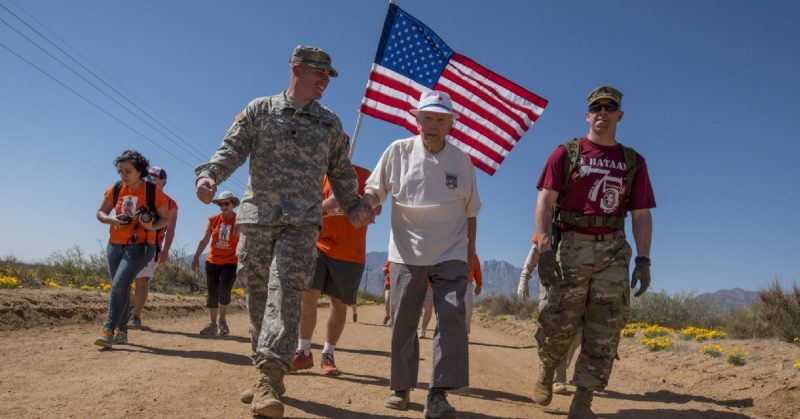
<point x="501" y="305"/>
<point x="676" y="311"/>
<point x="368" y="296"/>
<point x="176" y="277"/>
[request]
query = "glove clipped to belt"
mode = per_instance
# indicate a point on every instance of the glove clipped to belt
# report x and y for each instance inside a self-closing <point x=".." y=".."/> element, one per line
<point x="548" y="268"/>
<point x="641" y="275"/>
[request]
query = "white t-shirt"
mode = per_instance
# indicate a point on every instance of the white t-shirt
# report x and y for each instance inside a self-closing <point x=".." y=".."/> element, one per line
<point x="432" y="197"/>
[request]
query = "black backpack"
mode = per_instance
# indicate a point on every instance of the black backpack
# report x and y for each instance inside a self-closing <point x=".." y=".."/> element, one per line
<point x="150" y="203"/>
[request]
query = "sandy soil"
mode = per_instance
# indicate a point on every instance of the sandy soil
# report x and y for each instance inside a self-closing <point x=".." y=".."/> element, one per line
<point x="50" y="368"/>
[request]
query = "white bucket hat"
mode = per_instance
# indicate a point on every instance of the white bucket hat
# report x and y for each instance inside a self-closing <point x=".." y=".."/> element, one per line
<point x="227" y="195"/>
<point x="435" y="101"/>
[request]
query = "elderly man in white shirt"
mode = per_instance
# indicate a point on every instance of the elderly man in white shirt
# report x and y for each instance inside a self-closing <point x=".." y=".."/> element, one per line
<point x="435" y="203"/>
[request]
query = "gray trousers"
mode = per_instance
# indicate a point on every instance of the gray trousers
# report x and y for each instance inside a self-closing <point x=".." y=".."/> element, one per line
<point x="275" y="263"/>
<point x="450" y="354"/>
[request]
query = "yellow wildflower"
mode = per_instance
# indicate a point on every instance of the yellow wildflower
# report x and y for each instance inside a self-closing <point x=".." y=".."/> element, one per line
<point x="238" y="291"/>
<point x="796" y="365"/>
<point x="737" y="356"/>
<point x="712" y="350"/>
<point x="656" y="330"/>
<point x="657" y="343"/>
<point x="53" y="284"/>
<point x="8" y="282"/>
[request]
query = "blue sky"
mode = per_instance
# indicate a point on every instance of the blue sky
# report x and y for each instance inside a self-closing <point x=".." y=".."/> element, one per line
<point x="712" y="98"/>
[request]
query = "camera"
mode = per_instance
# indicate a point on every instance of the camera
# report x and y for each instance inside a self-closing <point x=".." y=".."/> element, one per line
<point x="125" y="218"/>
<point x="145" y="215"/>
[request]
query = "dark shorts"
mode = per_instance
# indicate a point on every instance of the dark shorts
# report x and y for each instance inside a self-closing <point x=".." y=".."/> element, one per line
<point x="337" y="278"/>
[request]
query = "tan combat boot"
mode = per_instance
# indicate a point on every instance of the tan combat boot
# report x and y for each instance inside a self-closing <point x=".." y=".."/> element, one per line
<point x="543" y="391"/>
<point x="247" y="395"/>
<point x="265" y="398"/>
<point x="581" y="407"/>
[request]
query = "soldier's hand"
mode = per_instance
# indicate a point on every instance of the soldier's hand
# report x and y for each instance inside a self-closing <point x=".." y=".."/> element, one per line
<point x="362" y="214"/>
<point x="548" y="268"/>
<point x="205" y="188"/>
<point x="641" y="275"/>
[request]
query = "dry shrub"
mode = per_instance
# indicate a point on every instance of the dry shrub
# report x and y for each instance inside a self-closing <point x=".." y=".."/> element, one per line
<point x="676" y="311"/>
<point x="501" y="305"/>
<point x="745" y="323"/>
<point x="780" y="309"/>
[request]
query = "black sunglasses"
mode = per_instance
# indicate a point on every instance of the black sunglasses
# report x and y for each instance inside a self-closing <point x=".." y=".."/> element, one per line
<point x="225" y="203"/>
<point x="610" y="107"/>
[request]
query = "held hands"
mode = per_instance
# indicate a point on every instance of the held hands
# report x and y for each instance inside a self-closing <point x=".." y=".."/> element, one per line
<point x="548" y="268"/>
<point x="641" y="275"/>
<point x="362" y="214"/>
<point x="205" y="188"/>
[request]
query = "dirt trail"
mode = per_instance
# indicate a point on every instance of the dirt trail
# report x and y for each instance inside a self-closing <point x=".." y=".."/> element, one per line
<point x="168" y="370"/>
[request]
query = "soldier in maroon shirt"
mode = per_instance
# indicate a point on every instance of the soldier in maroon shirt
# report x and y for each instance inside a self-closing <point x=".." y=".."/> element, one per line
<point x="585" y="191"/>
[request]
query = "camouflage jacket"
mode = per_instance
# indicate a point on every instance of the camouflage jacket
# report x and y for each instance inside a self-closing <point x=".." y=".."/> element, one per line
<point x="290" y="151"/>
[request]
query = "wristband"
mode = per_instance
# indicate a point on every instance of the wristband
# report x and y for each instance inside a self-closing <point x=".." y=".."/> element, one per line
<point x="643" y="260"/>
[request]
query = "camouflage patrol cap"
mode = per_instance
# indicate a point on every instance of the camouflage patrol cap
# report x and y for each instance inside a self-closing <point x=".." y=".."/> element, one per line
<point x="314" y="57"/>
<point x="605" y="92"/>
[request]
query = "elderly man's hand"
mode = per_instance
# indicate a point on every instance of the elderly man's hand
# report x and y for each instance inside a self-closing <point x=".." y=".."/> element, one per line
<point x="362" y="214"/>
<point x="205" y="188"/>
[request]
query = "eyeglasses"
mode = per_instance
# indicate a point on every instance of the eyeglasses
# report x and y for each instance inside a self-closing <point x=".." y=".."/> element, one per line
<point x="610" y="107"/>
<point x="225" y="203"/>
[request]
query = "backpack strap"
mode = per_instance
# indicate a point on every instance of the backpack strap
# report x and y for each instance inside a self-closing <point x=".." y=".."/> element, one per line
<point x="150" y="201"/>
<point x="630" y="171"/>
<point x="570" y="165"/>
<point x="115" y="192"/>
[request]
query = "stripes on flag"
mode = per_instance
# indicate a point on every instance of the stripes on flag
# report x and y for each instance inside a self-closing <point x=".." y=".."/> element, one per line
<point x="494" y="112"/>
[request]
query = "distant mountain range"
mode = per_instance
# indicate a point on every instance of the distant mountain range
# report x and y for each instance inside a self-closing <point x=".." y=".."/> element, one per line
<point x="731" y="299"/>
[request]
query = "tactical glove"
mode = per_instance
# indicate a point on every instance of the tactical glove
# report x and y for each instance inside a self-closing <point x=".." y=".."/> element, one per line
<point x="548" y="268"/>
<point x="641" y="275"/>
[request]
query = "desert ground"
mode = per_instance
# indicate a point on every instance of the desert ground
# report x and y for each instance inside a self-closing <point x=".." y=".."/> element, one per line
<point x="50" y="368"/>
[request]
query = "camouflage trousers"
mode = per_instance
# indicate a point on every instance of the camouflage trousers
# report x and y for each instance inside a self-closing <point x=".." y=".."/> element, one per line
<point x="593" y="293"/>
<point x="275" y="264"/>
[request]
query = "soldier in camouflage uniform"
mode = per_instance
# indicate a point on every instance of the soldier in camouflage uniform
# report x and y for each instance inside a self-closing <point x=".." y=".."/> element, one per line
<point x="292" y="142"/>
<point x="591" y="189"/>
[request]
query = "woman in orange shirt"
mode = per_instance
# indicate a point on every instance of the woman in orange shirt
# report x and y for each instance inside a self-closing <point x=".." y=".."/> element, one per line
<point x="221" y="261"/>
<point x="132" y="237"/>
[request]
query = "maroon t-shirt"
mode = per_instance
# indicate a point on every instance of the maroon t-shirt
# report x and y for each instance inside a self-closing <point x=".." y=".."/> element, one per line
<point x="602" y="189"/>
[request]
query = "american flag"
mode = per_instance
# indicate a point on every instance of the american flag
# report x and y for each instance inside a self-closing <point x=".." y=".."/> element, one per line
<point x="494" y="112"/>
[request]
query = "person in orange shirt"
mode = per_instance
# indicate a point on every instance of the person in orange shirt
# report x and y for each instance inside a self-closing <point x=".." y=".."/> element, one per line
<point x="158" y="176"/>
<point x="221" y="261"/>
<point x="341" y="254"/>
<point x="132" y="237"/>
<point x="387" y="287"/>
<point x="474" y="287"/>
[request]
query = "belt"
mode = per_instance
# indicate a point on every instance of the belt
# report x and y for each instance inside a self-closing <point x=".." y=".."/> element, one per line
<point x="574" y="235"/>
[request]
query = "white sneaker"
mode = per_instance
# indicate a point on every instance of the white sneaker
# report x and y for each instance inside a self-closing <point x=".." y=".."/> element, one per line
<point x="560" y="388"/>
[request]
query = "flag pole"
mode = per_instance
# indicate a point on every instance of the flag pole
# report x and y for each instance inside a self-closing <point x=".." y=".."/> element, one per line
<point x="355" y="136"/>
<point x="358" y="126"/>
